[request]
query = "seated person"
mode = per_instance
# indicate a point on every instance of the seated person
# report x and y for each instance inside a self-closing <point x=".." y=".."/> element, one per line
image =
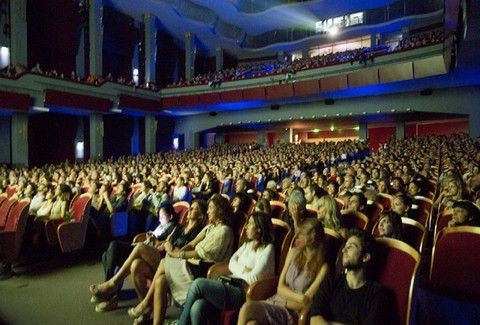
<point x="465" y="213"/>
<point x="390" y="225"/>
<point x="181" y="236"/>
<point x="305" y="268"/>
<point x="350" y="297"/>
<point x="254" y="260"/>
<point x="149" y="251"/>
<point x="182" y="265"/>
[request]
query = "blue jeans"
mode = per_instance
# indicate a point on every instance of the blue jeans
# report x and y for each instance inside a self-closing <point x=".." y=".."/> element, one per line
<point x="206" y="299"/>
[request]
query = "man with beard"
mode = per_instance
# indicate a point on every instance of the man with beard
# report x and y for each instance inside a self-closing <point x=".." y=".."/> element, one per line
<point x="351" y="298"/>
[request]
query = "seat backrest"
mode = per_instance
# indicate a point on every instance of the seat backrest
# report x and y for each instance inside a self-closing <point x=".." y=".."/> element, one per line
<point x="81" y="208"/>
<point x="5" y="211"/>
<point x="15" y="214"/>
<point x="181" y="209"/>
<point x="373" y="211"/>
<point x="395" y="266"/>
<point x="441" y="223"/>
<point x="3" y="197"/>
<point x="455" y="263"/>
<point x="385" y="200"/>
<point x="413" y="233"/>
<point x="340" y="203"/>
<point x="333" y="243"/>
<point x="311" y="213"/>
<point x="420" y="215"/>
<point x="282" y="197"/>
<point x="355" y="220"/>
<point x="11" y="190"/>
<point x="283" y="238"/>
<point x="424" y="203"/>
<point x="278" y="209"/>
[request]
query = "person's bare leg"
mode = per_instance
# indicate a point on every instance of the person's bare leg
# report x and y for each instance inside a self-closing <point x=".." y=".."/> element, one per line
<point x="141" y="273"/>
<point x="147" y="253"/>
<point x="252" y="313"/>
<point x="160" y="299"/>
<point x="148" y="299"/>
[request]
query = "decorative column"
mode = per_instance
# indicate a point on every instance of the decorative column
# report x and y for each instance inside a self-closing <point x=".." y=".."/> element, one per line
<point x="150" y="133"/>
<point x="96" y="136"/>
<point x="95" y="29"/>
<point x="400" y="130"/>
<point x="80" y="58"/>
<point x="362" y="131"/>
<point x="189" y="56"/>
<point x="150" y="47"/>
<point x="474" y="123"/>
<point x="135" y="142"/>
<point x="218" y="59"/>
<point x="18" y="32"/>
<point x="19" y="138"/>
<point x="5" y="139"/>
<point x="192" y="140"/>
<point x="261" y="140"/>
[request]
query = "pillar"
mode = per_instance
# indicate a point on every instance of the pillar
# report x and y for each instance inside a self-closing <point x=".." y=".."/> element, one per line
<point x="18" y="32"/>
<point x="218" y="59"/>
<point x="400" y="130"/>
<point x="149" y="21"/>
<point x="96" y="136"/>
<point x="362" y="131"/>
<point x="474" y="123"/>
<point x="150" y="133"/>
<point x="219" y="138"/>
<point x="5" y="139"/>
<point x="261" y="137"/>
<point x="189" y="56"/>
<point x="80" y="58"/>
<point x="135" y="140"/>
<point x="19" y="138"/>
<point x="95" y="29"/>
<point x="192" y="140"/>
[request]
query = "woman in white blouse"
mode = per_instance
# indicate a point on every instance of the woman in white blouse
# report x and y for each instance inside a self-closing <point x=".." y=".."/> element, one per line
<point x="253" y="261"/>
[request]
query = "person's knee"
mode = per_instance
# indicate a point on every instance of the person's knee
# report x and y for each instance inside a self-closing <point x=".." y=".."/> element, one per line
<point x="198" y="311"/>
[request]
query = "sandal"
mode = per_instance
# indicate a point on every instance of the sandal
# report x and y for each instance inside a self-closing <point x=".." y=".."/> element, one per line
<point x="134" y="314"/>
<point x="143" y="319"/>
<point x="108" y="305"/>
<point x="103" y="295"/>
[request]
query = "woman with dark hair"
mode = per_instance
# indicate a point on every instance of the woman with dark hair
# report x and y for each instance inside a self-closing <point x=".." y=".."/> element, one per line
<point x="465" y="213"/>
<point x="254" y="260"/>
<point x="390" y="225"/>
<point x="181" y="236"/>
<point x="105" y="294"/>
<point x="305" y="268"/>
<point x="182" y="265"/>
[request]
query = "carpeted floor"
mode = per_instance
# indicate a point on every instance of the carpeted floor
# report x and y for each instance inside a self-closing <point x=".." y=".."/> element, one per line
<point x="55" y="291"/>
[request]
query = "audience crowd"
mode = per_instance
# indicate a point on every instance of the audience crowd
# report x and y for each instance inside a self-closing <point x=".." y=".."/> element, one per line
<point x="320" y="185"/>
<point x="361" y="55"/>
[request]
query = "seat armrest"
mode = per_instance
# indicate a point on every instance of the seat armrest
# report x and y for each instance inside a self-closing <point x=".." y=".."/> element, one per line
<point x="140" y="237"/>
<point x="262" y="289"/>
<point x="70" y="236"/>
<point x="217" y="269"/>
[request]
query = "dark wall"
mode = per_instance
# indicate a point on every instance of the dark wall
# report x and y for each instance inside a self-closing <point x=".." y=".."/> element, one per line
<point x="165" y="129"/>
<point x="53" y="34"/>
<point x="117" y="135"/>
<point x="51" y="138"/>
<point x="170" y="60"/>
<point x="119" y="36"/>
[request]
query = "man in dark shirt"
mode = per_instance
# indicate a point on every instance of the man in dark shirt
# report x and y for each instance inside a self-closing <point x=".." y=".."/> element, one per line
<point x="350" y="298"/>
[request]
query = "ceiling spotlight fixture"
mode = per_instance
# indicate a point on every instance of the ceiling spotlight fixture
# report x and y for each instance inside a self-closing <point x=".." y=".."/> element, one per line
<point x="338" y="114"/>
<point x="301" y="117"/>
<point x="332" y="128"/>
<point x="364" y="113"/>
<point x="378" y="111"/>
<point x="350" y="113"/>
<point x="324" y="115"/>
<point x="408" y="109"/>
<point x="393" y="110"/>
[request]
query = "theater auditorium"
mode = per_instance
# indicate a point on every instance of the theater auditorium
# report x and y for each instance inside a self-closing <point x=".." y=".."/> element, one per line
<point x="239" y="162"/>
